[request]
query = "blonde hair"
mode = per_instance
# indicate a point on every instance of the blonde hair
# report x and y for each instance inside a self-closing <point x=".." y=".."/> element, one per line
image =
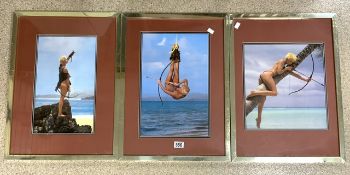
<point x="63" y="58"/>
<point x="292" y="57"/>
<point x="175" y="46"/>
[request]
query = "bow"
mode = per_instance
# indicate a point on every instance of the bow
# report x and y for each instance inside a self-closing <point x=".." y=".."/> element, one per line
<point x="310" y="77"/>
<point x="160" y="79"/>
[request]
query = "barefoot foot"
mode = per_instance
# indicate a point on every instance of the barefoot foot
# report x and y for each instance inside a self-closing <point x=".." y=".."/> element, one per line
<point x="258" y="122"/>
<point x="61" y="116"/>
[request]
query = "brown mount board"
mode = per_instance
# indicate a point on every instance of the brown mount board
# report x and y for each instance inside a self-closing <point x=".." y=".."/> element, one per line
<point x="256" y="143"/>
<point x="212" y="145"/>
<point x="101" y="141"/>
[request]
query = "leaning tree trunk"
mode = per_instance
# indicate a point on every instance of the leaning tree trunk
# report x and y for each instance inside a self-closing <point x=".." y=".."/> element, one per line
<point x="254" y="101"/>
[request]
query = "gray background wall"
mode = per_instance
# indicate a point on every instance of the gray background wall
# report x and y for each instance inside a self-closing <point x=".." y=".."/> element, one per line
<point x="7" y="7"/>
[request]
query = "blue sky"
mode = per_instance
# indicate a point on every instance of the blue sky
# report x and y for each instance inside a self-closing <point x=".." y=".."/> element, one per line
<point x="261" y="57"/>
<point x="194" y="50"/>
<point x="82" y="68"/>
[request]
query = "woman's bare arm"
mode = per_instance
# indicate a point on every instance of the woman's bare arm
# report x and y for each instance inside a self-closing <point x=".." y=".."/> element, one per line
<point x="166" y="91"/>
<point x="172" y="83"/>
<point x="185" y="81"/>
<point x="299" y="76"/>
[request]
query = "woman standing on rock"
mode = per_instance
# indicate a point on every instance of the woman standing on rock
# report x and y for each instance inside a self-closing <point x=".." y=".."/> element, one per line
<point x="63" y="83"/>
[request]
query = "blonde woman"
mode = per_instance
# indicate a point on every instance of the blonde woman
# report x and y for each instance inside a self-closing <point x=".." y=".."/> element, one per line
<point x="173" y="86"/>
<point x="283" y="65"/>
<point x="63" y="83"/>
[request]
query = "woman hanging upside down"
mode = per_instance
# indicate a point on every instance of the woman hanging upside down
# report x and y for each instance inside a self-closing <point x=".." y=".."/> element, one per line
<point x="281" y="66"/>
<point x="172" y="86"/>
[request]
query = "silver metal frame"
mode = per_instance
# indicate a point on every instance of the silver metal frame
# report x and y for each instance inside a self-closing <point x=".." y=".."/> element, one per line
<point x="11" y="81"/>
<point x="304" y="16"/>
<point x="120" y="89"/>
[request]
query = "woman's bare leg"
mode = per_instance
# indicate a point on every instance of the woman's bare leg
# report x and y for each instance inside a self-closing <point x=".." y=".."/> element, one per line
<point x="64" y="90"/>
<point x="269" y="83"/>
<point x="170" y="78"/>
<point x="176" y="72"/>
<point x="170" y="74"/>
<point x="260" y="108"/>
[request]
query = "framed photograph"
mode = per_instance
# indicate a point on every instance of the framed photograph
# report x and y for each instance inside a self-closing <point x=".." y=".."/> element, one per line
<point x="287" y="104"/>
<point x="173" y="111"/>
<point x="63" y="84"/>
<point x="70" y="108"/>
<point x="294" y="103"/>
<point x="174" y="86"/>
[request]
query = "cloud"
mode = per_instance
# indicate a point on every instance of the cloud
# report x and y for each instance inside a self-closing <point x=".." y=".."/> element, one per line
<point x="183" y="42"/>
<point x="252" y="74"/>
<point x="62" y="45"/>
<point x="149" y="36"/>
<point x="82" y="69"/>
<point x="162" y="43"/>
<point x="152" y="66"/>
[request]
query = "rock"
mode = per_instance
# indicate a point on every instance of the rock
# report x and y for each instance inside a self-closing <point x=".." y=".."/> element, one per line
<point x="66" y="109"/>
<point x="46" y="120"/>
<point x="41" y="112"/>
<point x="46" y="110"/>
<point x="49" y="123"/>
<point x="38" y="122"/>
<point x="36" y="129"/>
<point x="84" y="129"/>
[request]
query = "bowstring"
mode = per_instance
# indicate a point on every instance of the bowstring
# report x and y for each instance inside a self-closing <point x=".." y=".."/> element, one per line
<point x="160" y="79"/>
<point x="310" y="77"/>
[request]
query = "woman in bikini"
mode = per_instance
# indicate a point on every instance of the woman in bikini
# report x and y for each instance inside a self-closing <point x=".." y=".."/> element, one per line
<point x="63" y="83"/>
<point x="172" y="86"/>
<point x="281" y="66"/>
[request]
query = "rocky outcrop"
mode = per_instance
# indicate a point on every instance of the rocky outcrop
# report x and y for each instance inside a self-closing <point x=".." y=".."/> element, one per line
<point x="45" y="120"/>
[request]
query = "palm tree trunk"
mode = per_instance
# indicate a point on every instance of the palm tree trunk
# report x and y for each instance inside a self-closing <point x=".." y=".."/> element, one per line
<point x="254" y="101"/>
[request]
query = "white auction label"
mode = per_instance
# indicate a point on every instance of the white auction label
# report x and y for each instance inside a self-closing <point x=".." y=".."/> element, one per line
<point x="179" y="144"/>
<point x="237" y="25"/>
<point x="211" y="31"/>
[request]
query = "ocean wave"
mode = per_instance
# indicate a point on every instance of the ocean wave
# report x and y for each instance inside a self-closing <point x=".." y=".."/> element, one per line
<point x="178" y="119"/>
<point x="189" y="133"/>
<point x="148" y="129"/>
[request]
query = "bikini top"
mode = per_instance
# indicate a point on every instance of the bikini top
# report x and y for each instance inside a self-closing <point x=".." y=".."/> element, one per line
<point x="62" y="76"/>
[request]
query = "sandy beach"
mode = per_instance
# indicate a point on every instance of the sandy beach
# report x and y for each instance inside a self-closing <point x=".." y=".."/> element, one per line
<point x="84" y="120"/>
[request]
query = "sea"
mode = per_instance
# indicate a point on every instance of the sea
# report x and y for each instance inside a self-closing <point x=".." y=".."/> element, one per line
<point x="289" y="118"/>
<point x="174" y="119"/>
<point x="79" y="107"/>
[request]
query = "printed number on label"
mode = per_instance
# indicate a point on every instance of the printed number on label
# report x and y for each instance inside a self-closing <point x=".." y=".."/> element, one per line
<point x="178" y="144"/>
